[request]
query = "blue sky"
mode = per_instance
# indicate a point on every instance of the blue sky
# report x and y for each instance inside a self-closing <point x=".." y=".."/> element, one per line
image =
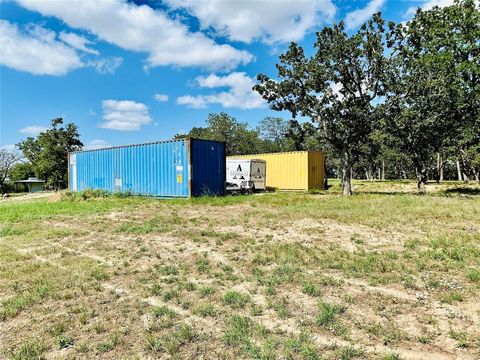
<point x="130" y="72"/>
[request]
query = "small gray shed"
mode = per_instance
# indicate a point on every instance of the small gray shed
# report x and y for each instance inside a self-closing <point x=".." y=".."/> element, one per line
<point x="33" y="184"/>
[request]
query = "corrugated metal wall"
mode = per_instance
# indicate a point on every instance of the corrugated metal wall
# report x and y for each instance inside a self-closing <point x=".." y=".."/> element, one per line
<point x="295" y="170"/>
<point x="208" y="167"/>
<point x="157" y="169"/>
<point x="316" y="170"/>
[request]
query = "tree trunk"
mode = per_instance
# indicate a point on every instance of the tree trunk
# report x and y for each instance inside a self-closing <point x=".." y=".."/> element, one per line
<point x="422" y="180"/>
<point x="383" y="170"/>
<point x="459" y="171"/>
<point x="347" y="175"/>
<point x="440" y="167"/>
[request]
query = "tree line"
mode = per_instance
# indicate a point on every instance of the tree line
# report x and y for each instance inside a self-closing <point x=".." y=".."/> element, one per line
<point x="272" y="134"/>
<point x="391" y="101"/>
<point x="44" y="156"/>
<point x="406" y="92"/>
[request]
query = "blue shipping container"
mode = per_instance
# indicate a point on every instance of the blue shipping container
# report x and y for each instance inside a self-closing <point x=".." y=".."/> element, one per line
<point x="177" y="168"/>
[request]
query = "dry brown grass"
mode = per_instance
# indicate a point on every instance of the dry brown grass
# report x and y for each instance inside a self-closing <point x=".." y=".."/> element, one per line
<point x="294" y="276"/>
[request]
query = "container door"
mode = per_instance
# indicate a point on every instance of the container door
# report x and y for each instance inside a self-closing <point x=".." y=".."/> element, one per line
<point x="180" y="163"/>
<point x="73" y="172"/>
<point x="258" y="174"/>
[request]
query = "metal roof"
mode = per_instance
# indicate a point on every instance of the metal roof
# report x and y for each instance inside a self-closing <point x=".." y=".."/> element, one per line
<point x="30" y="180"/>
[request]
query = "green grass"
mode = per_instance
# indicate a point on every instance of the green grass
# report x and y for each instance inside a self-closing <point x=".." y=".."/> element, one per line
<point x="256" y="277"/>
<point x="29" y="350"/>
<point x="235" y="299"/>
<point x="328" y="317"/>
<point x="206" y="310"/>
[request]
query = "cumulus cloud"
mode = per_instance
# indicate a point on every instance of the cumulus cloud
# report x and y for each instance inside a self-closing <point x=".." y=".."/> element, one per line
<point x="143" y="29"/>
<point x="270" y="21"/>
<point x="77" y="42"/>
<point x="35" y="50"/>
<point x="427" y="5"/>
<point x="39" y="51"/>
<point x="33" y="130"/>
<point x="106" y="65"/>
<point x="358" y="17"/>
<point x="161" y="97"/>
<point x="96" y="144"/>
<point x="239" y="94"/>
<point x="124" y="115"/>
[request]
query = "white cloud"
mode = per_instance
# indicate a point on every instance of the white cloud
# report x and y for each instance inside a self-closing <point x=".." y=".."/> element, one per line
<point x="239" y="94"/>
<point x="96" y="144"/>
<point x="142" y="29"/>
<point x="35" y="50"/>
<point x="33" y="130"/>
<point x="106" y="65"/>
<point x="428" y="5"/>
<point x="161" y="97"/>
<point x="77" y="42"/>
<point x="9" y="147"/>
<point x="358" y="17"/>
<point x="270" y="21"/>
<point x="124" y="115"/>
<point x="196" y="102"/>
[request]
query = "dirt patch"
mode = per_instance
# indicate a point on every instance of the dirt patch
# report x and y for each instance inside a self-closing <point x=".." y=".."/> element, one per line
<point x="161" y="278"/>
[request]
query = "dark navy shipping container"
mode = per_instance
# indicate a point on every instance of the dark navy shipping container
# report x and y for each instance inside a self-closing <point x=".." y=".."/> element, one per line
<point x="176" y="168"/>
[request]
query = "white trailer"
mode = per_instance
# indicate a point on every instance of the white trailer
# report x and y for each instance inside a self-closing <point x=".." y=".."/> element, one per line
<point x="246" y="174"/>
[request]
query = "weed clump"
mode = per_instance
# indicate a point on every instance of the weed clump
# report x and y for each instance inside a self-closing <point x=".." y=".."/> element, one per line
<point x="92" y="194"/>
<point x="328" y="317"/>
<point x="235" y="299"/>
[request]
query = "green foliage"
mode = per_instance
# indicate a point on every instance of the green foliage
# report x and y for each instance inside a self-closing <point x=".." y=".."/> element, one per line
<point x="8" y="160"/>
<point x="21" y="171"/>
<point x="337" y="87"/>
<point x="223" y="127"/>
<point x="278" y="135"/>
<point x="49" y="151"/>
<point x="435" y="104"/>
<point x="303" y="136"/>
<point x="387" y="100"/>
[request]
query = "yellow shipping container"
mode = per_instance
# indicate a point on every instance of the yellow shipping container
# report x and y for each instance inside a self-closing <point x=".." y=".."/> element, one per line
<point x="294" y="170"/>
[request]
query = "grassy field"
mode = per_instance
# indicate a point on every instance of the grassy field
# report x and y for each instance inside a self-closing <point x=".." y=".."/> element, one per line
<point x="384" y="274"/>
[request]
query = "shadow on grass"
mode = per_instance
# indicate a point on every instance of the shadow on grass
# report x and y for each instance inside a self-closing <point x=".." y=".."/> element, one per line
<point x="463" y="191"/>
